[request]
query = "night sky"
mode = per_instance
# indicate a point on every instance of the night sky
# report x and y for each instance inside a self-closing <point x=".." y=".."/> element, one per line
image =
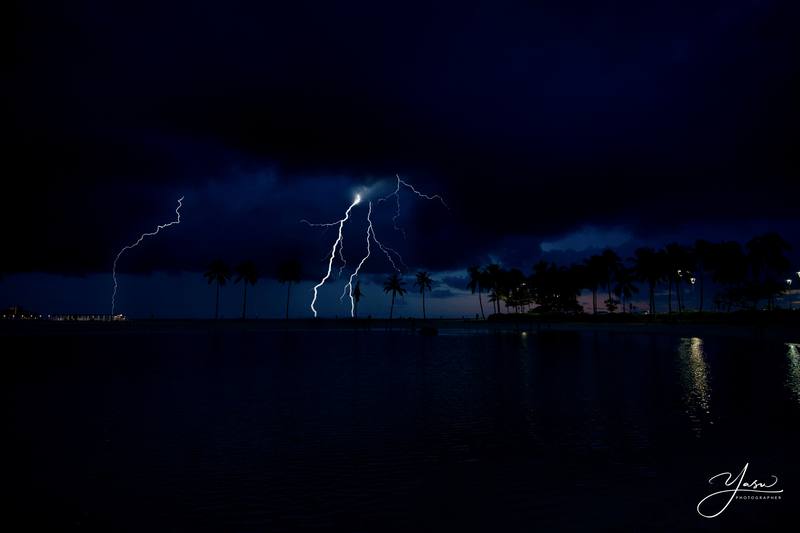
<point x="551" y="129"/>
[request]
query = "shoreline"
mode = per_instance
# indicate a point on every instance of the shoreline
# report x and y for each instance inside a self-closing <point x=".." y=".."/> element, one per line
<point x="781" y="331"/>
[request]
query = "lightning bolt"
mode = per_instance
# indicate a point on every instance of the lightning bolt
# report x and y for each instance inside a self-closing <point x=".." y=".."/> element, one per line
<point x="396" y="193"/>
<point x="371" y="236"/>
<point x="392" y="255"/>
<point x="337" y="243"/>
<point x="341" y="241"/>
<point x="135" y="244"/>
<point x="348" y="288"/>
<point x="388" y="253"/>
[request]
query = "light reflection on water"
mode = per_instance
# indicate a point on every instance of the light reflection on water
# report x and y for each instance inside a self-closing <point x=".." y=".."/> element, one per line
<point x="793" y="374"/>
<point x="695" y="380"/>
<point x="387" y="431"/>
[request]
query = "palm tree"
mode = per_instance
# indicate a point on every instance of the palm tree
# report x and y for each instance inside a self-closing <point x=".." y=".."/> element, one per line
<point x="625" y="287"/>
<point x="767" y="261"/>
<point x="424" y="282"/>
<point x="649" y="266"/>
<point x="494" y="299"/>
<point x="486" y="282"/>
<point x="544" y="287"/>
<point x="219" y="273"/>
<point x="611" y="267"/>
<point x="357" y="294"/>
<point x="678" y="260"/>
<point x="248" y="273"/>
<point x="573" y="283"/>
<point x="395" y="285"/>
<point x="703" y="250"/>
<point x="594" y="272"/>
<point x="514" y="288"/>
<point x="493" y="275"/>
<point x="476" y="279"/>
<point x="290" y="271"/>
<point x="729" y="266"/>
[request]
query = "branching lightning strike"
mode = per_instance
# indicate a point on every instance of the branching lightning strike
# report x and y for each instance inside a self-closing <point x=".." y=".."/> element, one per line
<point x="348" y="288"/>
<point x="392" y="255"/>
<point x="135" y="244"/>
<point x="371" y="236"/>
<point x="337" y="243"/>
<point x="396" y="194"/>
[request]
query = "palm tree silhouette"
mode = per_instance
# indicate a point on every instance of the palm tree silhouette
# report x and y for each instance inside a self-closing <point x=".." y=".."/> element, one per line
<point x="677" y="257"/>
<point x="703" y="250"/>
<point x="357" y="294"/>
<point x="611" y="267"/>
<point x="515" y="288"/>
<point x="493" y="275"/>
<point x="395" y="285"/>
<point x="648" y="266"/>
<point x="765" y="254"/>
<point x="424" y="282"/>
<point x="494" y="299"/>
<point x="219" y="273"/>
<point x="594" y="273"/>
<point x="247" y="272"/>
<point x="476" y="282"/>
<point x="728" y="264"/>
<point x="625" y="287"/>
<point x="289" y="272"/>
<point x="574" y="281"/>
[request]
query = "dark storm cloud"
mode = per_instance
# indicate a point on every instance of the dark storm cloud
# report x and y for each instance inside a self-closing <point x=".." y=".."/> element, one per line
<point x="533" y="121"/>
<point x="456" y="282"/>
<point x="444" y="293"/>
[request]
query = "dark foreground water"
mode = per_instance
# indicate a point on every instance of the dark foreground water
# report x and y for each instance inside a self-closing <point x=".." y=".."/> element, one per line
<point x="373" y="431"/>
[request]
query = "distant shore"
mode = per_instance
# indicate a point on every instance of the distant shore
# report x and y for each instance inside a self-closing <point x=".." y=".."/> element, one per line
<point x="785" y="329"/>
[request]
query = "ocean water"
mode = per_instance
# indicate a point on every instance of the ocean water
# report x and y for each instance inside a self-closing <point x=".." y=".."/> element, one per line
<point x="196" y="430"/>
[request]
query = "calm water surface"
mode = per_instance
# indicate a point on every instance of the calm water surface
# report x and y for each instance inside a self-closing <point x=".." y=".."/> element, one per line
<point x="375" y="431"/>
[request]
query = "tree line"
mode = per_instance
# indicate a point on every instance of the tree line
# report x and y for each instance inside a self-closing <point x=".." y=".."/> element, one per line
<point x="219" y="273"/>
<point x="743" y="276"/>
<point x="290" y="272"/>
